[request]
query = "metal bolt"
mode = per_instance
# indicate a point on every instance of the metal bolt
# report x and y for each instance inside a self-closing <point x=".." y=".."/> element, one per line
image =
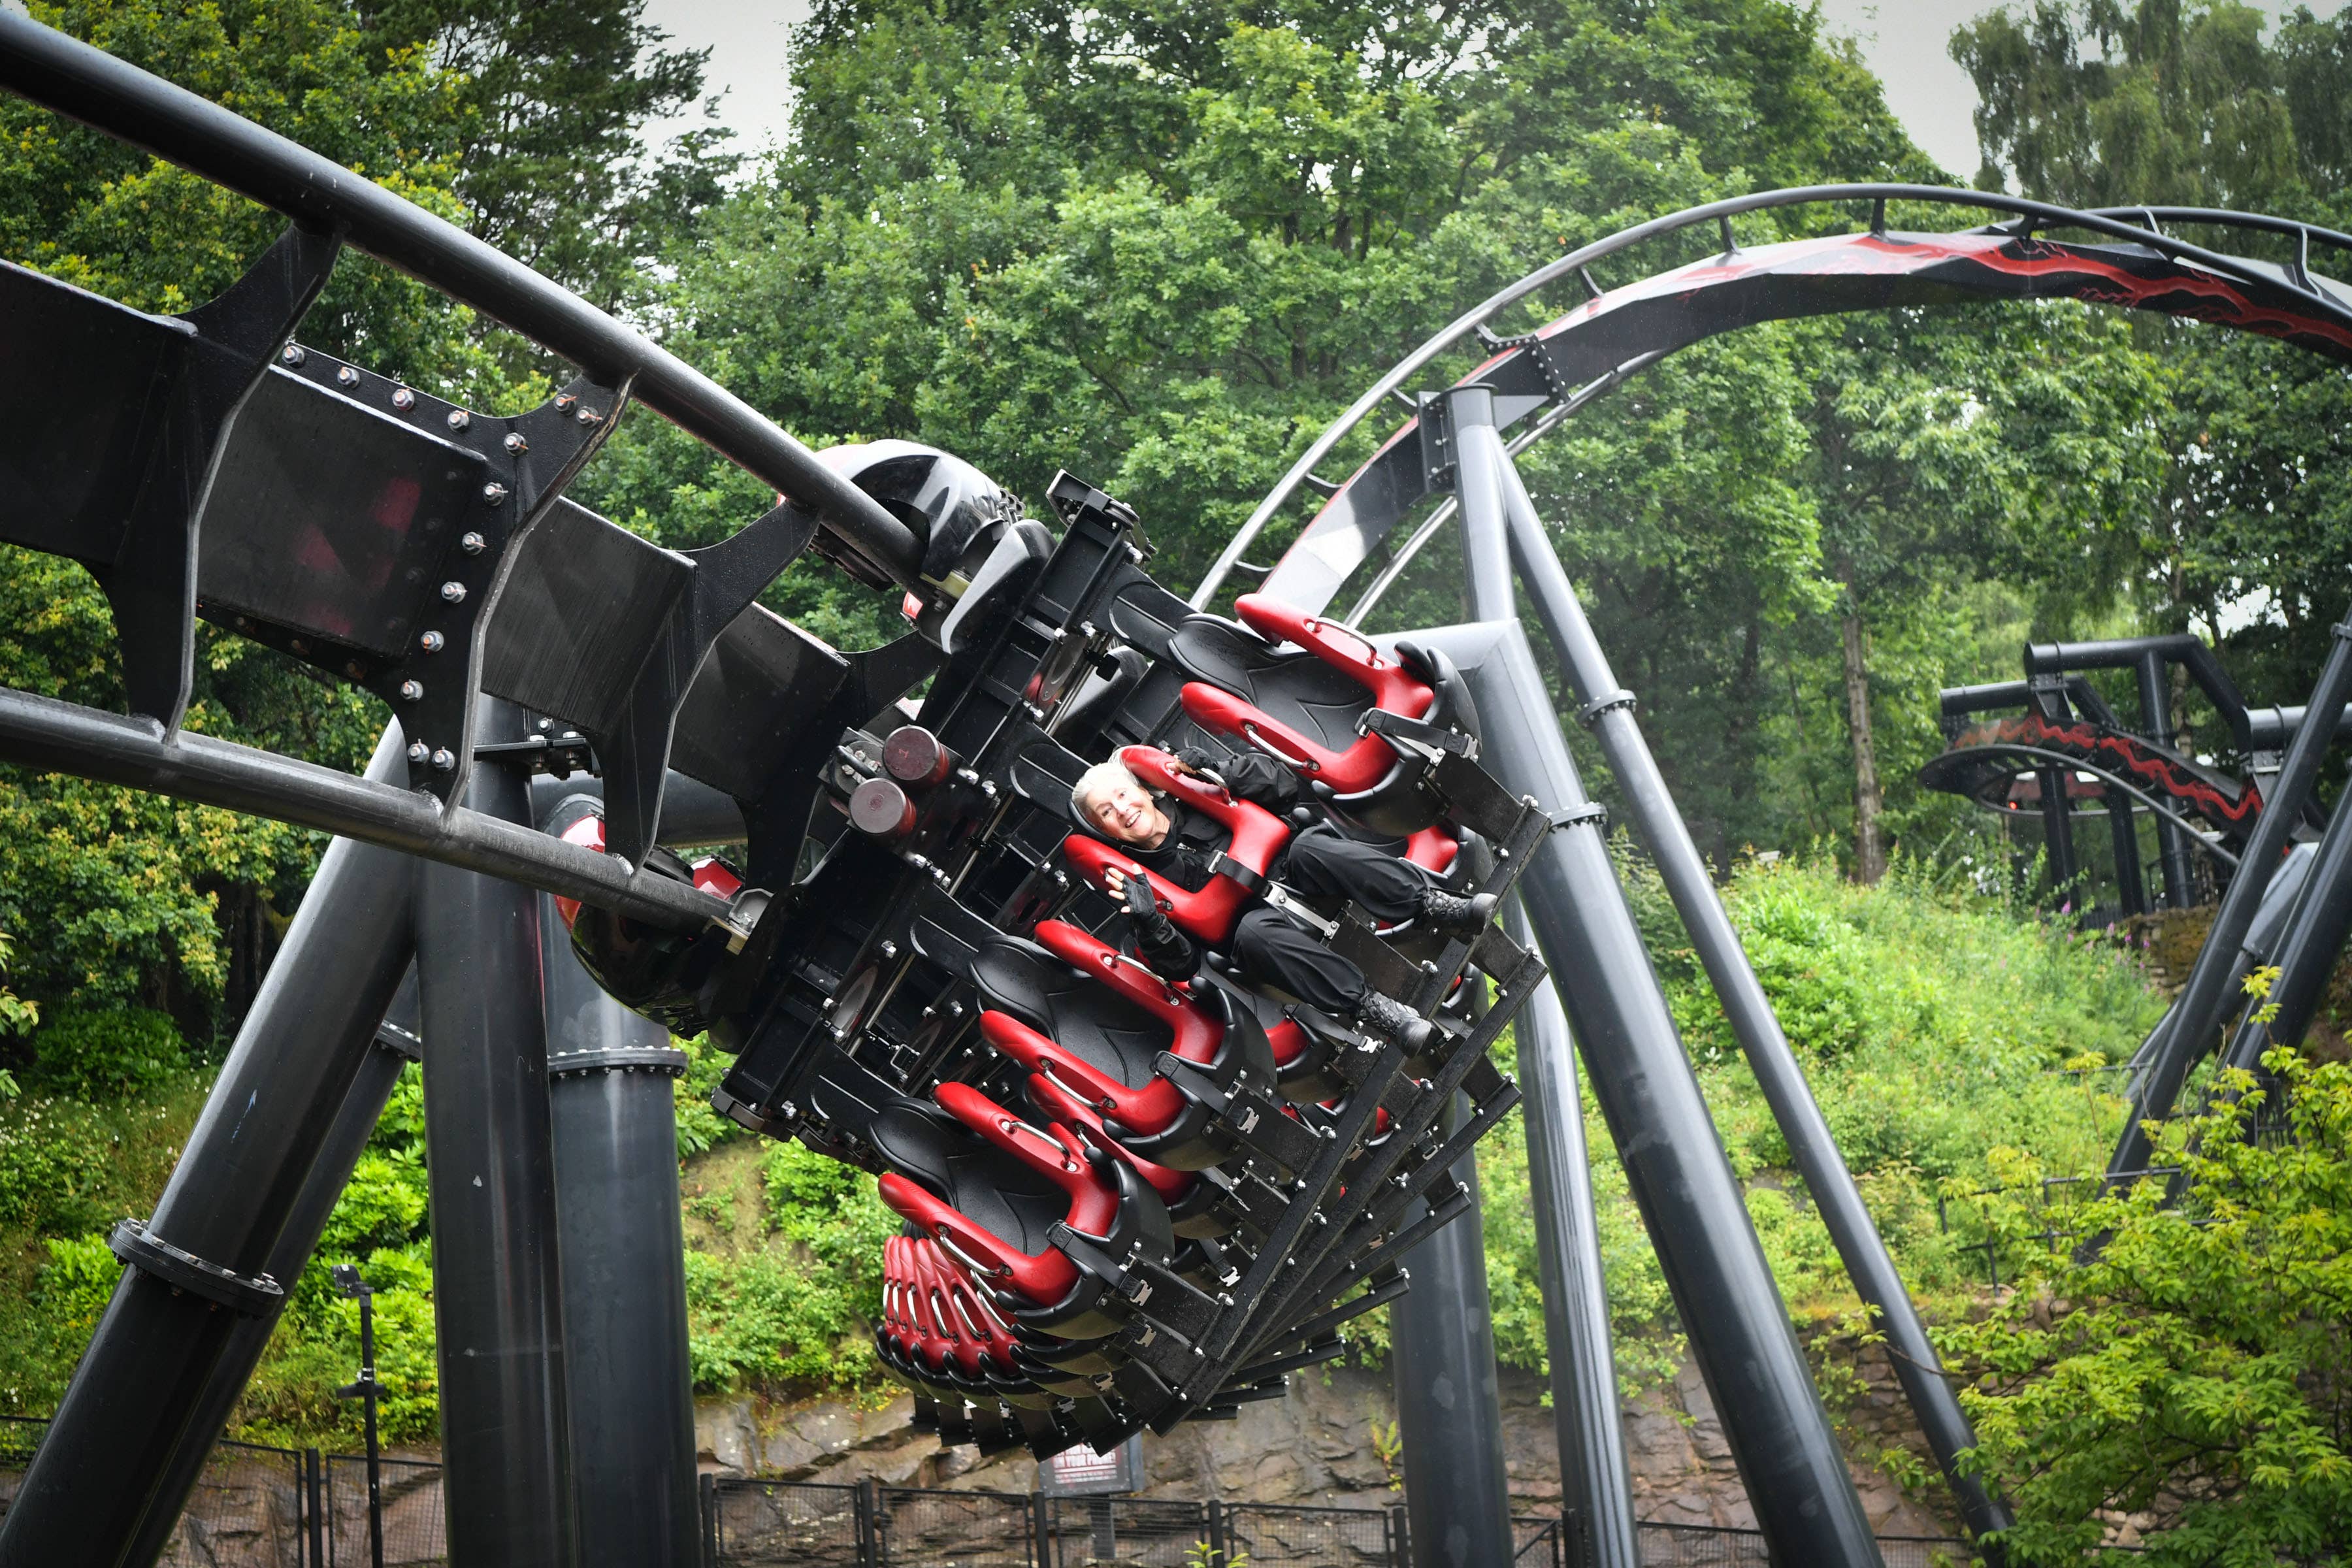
<point x="564" y="402"/>
<point x="890" y="949"/>
<point x="445" y="759"/>
<point x="347" y="377"/>
<point x="471" y="543"/>
<point x="459" y="419"/>
<point x="353" y="670"/>
<point x="404" y="399"/>
<point x="418" y="752"/>
<point x="412" y="690"/>
<point x="292" y="353"/>
<point x="588" y="416"/>
<point x="515" y="443"/>
<point x="453" y="591"/>
<point x="494" y="492"/>
<point x="432" y="642"/>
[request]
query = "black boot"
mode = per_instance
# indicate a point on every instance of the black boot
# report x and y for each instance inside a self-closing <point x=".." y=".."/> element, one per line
<point x="1392" y="1020"/>
<point x="1457" y="916"/>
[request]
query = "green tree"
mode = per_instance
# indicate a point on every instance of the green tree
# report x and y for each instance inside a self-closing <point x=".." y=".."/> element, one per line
<point x="2102" y="103"/>
<point x="2192" y="1379"/>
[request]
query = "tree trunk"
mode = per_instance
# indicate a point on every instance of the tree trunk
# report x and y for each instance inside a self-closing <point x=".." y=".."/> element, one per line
<point x="1869" y="850"/>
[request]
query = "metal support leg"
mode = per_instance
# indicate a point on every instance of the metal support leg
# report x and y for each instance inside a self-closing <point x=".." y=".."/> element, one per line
<point x="396" y="1044"/>
<point x="505" y="1438"/>
<point x="2313" y="939"/>
<point x="2131" y="888"/>
<point x="2058" y="834"/>
<point x="1723" y="1292"/>
<point x="120" y="1437"/>
<point x="2204" y="999"/>
<point x="1596" y="1483"/>
<point x="1609" y="711"/>
<point x="1449" y="1404"/>
<point x="2156" y="724"/>
<point x="623" y="1248"/>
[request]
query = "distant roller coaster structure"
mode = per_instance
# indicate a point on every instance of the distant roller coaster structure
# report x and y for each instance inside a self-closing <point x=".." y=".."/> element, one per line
<point x="1132" y="1201"/>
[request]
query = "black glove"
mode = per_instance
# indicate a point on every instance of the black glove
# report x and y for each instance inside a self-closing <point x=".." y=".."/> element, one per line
<point x="1199" y="758"/>
<point x="1168" y="952"/>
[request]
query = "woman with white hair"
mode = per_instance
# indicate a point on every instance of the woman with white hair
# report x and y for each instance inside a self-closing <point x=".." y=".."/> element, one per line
<point x="1269" y="947"/>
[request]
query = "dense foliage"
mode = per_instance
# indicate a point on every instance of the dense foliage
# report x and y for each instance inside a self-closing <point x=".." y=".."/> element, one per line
<point x="2191" y="1382"/>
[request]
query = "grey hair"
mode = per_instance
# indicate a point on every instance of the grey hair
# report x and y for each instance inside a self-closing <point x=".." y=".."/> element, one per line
<point x="1101" y="777"/>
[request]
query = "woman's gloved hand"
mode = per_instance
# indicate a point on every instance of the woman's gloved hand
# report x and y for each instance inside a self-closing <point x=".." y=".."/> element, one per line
<point x="1168" y="952"/>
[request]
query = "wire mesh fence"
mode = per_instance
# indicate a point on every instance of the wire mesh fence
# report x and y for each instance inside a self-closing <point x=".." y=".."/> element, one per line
<point x="1123" y="1532"/>
<point x="257" y="1507"/>
<point x="955" y="1529"/>
<point x="1712" y="1546"/>
<point x="1279" y="1537"/>
<point x="249" y="1507"/>
<point x="761" y="1522"/>
<point x="416" y="1525"/>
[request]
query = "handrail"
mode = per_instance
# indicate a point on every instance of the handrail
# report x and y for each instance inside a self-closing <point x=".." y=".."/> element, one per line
<point x="74" y="79"/>
<point x="1714" y="211"/>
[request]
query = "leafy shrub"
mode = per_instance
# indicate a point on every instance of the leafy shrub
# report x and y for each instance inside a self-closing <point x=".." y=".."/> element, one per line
<point x="2195" y="1372"/>
<point x="56" y="1164"/>
<point x="111" y="1053"/>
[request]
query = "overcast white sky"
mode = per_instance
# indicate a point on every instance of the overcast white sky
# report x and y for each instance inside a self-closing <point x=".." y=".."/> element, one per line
<point x="1904" y="40"/>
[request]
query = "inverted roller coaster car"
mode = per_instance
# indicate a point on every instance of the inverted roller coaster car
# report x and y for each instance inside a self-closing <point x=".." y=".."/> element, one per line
<point x="1210" y="1179"/>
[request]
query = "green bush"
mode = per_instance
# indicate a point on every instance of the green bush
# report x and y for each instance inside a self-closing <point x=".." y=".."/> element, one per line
<point x="111" y="1053"/>
<point x="2196" y="1371"/>
<point x="1932" y="1025"/>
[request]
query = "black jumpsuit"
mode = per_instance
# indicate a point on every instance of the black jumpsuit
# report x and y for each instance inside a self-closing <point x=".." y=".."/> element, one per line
<point x="1268" y="947"/>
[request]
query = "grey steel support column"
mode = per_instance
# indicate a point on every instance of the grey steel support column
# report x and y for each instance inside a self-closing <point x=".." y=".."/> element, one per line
<point x="624" y="1250"/>
<point x="1608" y="709"/>
<point x="496" y="1291"/>
<point x="1593" y="1469"/>
<point x="2204" y="1000"/>
<point x="396" y="1046"/>
<point x="1457" y="1490"/>
<point x="2307" y="955"/>
<point x="1485" y="535"/>
<point x="1596" y="1482"/>
<point x="2156" y="724"/>
<point x="2058" y="832"/>
<point x="1449" y="1406"/>
<point x="1723" y="1290"/>
<point x="117" y="1438"/>
<point x="2131" y="887"/>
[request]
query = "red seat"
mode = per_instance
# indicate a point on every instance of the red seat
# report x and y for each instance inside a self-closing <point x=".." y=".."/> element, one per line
<point x="1361" y="763"/>
<point x="1208" y="914"/>
<point x="1006" y="1238"/>
<point x="1143" y="1103"/>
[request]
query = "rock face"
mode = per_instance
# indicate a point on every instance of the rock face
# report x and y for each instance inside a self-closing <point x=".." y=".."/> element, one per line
<point x="1331" y="1443"/>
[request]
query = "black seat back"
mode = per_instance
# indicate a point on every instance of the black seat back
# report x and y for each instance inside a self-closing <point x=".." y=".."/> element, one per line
<point x="1085" y="1017"/>
<point x="1289" y="685"/>
<point x="1017" y="1206"/>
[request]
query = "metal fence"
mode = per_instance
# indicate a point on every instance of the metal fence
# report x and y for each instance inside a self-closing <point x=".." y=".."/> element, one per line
<point x="415" y="1527"/>
<point x="251" y="1507"/>
<point x="1711" y="1546"/>
<point x="259" y="1507"/>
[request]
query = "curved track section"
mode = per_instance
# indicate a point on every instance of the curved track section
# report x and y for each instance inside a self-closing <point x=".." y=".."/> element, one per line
<point x="1742" y="288"/>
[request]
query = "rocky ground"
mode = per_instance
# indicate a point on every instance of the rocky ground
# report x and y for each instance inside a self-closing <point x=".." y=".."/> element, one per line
<point x="1331" y="1443"/>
